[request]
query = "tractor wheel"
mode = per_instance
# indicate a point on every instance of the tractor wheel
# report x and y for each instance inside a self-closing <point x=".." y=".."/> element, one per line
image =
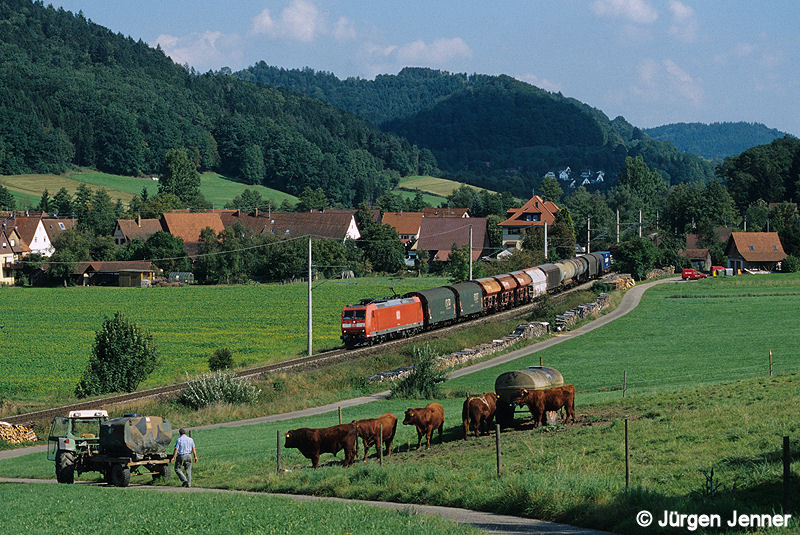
<point x="162" y="471"/>
<point x="120" y="475"/>
<point x="65" y="467"/>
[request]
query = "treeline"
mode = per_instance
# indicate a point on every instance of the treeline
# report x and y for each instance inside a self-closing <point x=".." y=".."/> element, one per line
<point x="715" y="141"/>
<point x="492" y="131"/>
<point x="75" y="93"/>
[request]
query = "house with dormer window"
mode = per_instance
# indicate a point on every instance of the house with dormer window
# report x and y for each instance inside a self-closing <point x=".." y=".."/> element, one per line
<point x="534" y="213"/>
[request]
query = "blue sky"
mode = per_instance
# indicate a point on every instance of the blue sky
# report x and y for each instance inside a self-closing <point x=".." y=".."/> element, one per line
<point x="653" y="62"/>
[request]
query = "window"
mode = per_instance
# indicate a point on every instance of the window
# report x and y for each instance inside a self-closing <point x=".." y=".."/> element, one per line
<point x="752" y="248"/>
<point x="774" y="247"/>
<point x="61" y="226"/>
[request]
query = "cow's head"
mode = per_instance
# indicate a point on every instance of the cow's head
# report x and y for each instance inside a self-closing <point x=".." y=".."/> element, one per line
<point x="409" y="419"/>
<point x="519" y="399"/>
<point x="290" y="440"/>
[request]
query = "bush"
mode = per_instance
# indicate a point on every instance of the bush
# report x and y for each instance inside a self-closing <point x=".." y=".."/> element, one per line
<point x="217" y="387"/>
<point x="790" y="264"/>
<point x="222" y="359"/>
<point x="425" y="379"/>
<point x="123" y="355"/>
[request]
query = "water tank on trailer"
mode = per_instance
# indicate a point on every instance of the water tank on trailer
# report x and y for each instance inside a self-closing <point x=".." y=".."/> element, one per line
<point x="508" y="384"/>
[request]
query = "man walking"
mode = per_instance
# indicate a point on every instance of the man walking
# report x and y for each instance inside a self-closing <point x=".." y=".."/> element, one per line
<point x="185" y="454"/>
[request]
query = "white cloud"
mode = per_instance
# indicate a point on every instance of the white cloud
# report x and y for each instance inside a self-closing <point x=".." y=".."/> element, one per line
<point x="684" y="25"/>
<point x="344" y="29"/>
<point x="539" y="82"/>
<point x="666" y="81"/>
<point x="207" y="50"/>
<point x="299" y="21"/>
<point x="419" y="52"/>
<point x="637" y="11"/>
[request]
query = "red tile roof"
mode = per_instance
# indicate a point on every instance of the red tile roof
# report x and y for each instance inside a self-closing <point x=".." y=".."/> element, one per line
<point x="26" y="227"/>
<point x="112" y="266"/>
<point x="403" y="222"/>
<point x="723" y="233"/>
<point x="138" y="228"/>
<point x="439" y="234"/>
<point x="517" y="217"/>
<point x="188" y="226"/>
<point x="328" y="224"/>
<point x="445" y="212"/>
<point x="756" y="246"/>
<point x="694" y="254"/>
<point x="53" y="226"/>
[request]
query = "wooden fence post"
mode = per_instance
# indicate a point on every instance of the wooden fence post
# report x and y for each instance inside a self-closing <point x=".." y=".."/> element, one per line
<point x="380" y="444"/>
<point x="279" y="451"/>
<point x="627" y="459"/>
<point x="787" y="461"/>
<point x="340" y="416"/>
<point x="770" y="362"/>
<point x="497" y="444"/>
<point x="541" y="363"/>
<point x="624" y="382"/>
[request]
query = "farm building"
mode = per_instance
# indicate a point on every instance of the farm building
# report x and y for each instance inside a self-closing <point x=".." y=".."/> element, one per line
<point x="754" y="250"/>
<point x="130" y="229"/>
<point x="534" y="213"/>
<point x="445" y="212"/>
<point x="37" y="232"/>
<point x="335" y="224"/>
<point x="111" y="273"/>
<point x="189" y="225"/>
<point x="438" y="234"/>
<point x="700" y="258"/>
<point x="407" y="224"/>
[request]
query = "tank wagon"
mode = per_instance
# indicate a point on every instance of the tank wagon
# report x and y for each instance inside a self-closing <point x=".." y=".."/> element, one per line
<point x="377" y="320"/>
<point x="509" y="384"/>
<point x="87" y="441"/>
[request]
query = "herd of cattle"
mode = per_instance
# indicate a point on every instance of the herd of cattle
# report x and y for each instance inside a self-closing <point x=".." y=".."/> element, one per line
<point x="477" y="413"/>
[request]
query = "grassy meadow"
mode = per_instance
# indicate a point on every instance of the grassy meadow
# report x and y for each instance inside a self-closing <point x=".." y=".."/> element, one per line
<point x="218" y="190"/>
<point x="440" y="187"/>
<point x="699" y="397"/>
<point x="44" y="511"/>
<point x="49" y="332"/>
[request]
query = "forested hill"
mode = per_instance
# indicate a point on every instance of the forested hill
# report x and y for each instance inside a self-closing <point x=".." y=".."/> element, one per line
<point x="492" y="131"/>
<point x="74" y="93"/>
<point x="715" y="141"/>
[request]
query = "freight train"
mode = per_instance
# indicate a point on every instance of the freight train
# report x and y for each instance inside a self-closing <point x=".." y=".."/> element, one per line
<point x="373" y="321"/>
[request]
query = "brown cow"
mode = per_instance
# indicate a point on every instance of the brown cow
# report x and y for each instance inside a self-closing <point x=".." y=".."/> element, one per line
<point x="477" y="411"/>
<point x="312" y="442"/>
<point x="551" y="399"/>
<point x="426" y="419"/>
<point x="369" y="429"/>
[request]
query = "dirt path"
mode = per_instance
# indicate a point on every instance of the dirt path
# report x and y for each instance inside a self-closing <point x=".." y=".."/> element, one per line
<point x="488" y="522"/>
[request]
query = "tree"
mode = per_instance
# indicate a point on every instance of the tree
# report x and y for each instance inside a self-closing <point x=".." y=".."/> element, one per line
<point x="249" y="201"/>
<point x="123" y="355"/>
<point x="311" y="199"/>
<point x="7" y="200"/>
<point x="165" y="251"/>
<point x="644" y="184"/>
<point x="44" y="202"/>
<point x="637" y="257"/>
<point x="458" y="265"/>
<point x="253" y="168"/>
<point x="180" y="176"/>
<point x="562" y="236"/>
<point x="551" y="189"/>
<point x="101" y="218"/>
<point x="71" y="247"/>
<point x="757" y="215"/>
<point x="62" y="203"/>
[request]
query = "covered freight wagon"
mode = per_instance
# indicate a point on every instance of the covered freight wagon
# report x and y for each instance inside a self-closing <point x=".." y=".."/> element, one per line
<point x="567" y="271"/>
<point x="524" y="293"/>
<point x="469" y="298"/>
<point x="491" y="293"/>
<point x="538" y="281"/>
<point x="438" y="305"/>
<point x="509" y="289"/>
<point x="553" y="274"/>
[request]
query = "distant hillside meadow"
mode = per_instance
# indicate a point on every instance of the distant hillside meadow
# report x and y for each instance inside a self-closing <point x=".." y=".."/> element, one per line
<point x="49" y="332"/>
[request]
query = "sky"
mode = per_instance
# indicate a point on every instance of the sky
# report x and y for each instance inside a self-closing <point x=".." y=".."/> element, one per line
<point x="653" y="62"/>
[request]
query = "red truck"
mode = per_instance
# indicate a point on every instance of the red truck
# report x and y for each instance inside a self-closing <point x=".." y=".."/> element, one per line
<point x="692" y="274"/>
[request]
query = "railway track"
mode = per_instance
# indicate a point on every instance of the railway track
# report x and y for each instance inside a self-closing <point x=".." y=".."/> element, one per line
<point x="326" y="358"/>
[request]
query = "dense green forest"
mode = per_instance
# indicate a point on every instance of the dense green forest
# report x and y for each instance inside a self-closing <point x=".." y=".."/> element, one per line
<point x="491" y="131"/>
<point x="715" y="141"/>
<point x="75" y="93"/>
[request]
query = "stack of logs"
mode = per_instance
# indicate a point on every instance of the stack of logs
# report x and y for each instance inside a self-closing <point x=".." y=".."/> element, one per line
<point x="16" y="434"/>
<point x="621" y="282"/>
<point x="566" y="320"/>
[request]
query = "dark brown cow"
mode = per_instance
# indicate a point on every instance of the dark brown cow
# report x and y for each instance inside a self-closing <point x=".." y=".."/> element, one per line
<point x="477" y="411"/>
<point x="426" y="419"/>
<point x="369" y="429"/>
<point x="312" y="442"/>
<point x="551" y="399"/>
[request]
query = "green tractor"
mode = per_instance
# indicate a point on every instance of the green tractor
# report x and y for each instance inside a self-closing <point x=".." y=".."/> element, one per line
<point x="88" y="441"/>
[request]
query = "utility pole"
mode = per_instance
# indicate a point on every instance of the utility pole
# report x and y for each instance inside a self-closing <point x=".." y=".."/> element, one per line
<point x="470" y="252"/>
<point x="588" y="234"/>
<point x="310" y="326"/>
<point x="745" y="223"/>
<point x="656" y="221"/>
<point x="545" y="240"/>
<point x="640" y="223"/>
<point x="617" y="226"/>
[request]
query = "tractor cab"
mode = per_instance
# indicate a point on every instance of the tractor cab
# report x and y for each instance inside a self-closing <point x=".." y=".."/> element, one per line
<point x="77" y="432"/>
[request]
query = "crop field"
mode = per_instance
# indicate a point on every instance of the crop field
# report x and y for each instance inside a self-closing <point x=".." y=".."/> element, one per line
<point x="218" y="190"/>
<point x="49" y="332"/>
<point x="44" y="511"/>
<point x="431" y="200"/>
<point x="695" y="401"/>
<point x="435" y="186"/>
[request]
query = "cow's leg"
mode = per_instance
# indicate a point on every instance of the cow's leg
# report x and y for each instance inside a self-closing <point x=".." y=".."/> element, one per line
<point x="315" y="459"/>
<point x="419" y="437"/>
<point x="349" y="455"/>
<point x="466" y="427"/>
<point x="388" y="444"/>
<point x="429" y="435"/>
<point x="366" y="448"/>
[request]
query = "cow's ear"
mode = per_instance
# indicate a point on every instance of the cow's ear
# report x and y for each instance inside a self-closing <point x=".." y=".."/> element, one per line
<point x="411" y="413"/>
<point x="287" y="435"/>
<point x="524" y="391"/>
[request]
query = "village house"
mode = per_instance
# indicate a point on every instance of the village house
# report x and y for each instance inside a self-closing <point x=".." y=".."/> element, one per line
<point x="445" y="212"/>
<point x="132" y="273"/>
<point x="189" y="225"/>
<point x="407" y="224"/>
<point x="38" y="232"/>
<point x="699" y="258"/>
<point x="438" y="235"/>
<point x="535" y="213"/>
<point x="754" y="250"/>
<point x="334" y="224"/>
<point x="128" y="230"/>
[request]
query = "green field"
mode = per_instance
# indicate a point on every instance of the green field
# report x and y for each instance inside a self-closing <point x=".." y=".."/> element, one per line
<point x="49" y="332"/>
<point x="440" y="187"/>
<point x="215" y="188"/>
<point x="434" y="201"/>
<point x="699" y="397"/>
<point x="46" y="509"/>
